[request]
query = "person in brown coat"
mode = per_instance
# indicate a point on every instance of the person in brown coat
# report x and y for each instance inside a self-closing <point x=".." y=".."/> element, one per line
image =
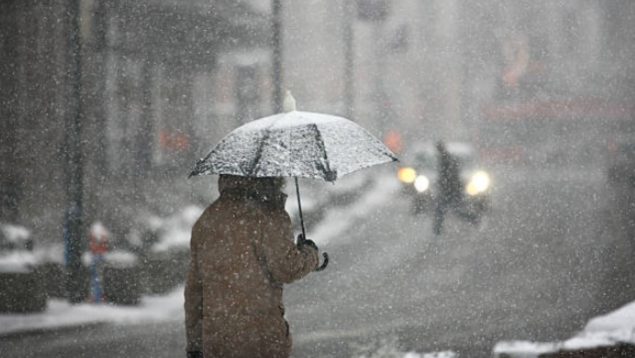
<point x="242" y="252"/>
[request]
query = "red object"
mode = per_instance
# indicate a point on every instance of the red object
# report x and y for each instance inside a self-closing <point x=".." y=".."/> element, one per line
<point x="393" y="141"/>
<point x="173" y="141"/>
<point x="98" y="243"/>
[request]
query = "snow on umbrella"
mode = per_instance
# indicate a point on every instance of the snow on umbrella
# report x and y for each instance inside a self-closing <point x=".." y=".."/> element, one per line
<point x="295" y="144"/>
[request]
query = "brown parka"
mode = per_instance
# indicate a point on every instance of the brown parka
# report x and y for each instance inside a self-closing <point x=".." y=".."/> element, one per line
<point x="242" y="252"/>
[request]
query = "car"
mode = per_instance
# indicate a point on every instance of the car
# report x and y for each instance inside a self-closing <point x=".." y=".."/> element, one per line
<point x="419" y="177"/>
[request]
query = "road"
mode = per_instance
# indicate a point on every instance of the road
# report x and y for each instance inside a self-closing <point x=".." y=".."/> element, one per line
<point x="545" y="260"/>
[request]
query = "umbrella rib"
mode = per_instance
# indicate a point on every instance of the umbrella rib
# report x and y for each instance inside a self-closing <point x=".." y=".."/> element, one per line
<point x="320" y="142"/>
<point x="254" y="164"/>
<point x="201" y="165"/>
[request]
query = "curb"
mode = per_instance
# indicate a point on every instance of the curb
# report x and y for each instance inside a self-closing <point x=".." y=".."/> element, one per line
<point x="48" y="330"/>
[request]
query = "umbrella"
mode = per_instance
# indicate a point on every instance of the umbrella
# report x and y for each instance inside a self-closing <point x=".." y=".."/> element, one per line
<point x="295" y="144"/>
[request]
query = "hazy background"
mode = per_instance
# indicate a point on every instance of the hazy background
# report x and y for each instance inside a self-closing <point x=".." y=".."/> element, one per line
<point x="106" y="105"/>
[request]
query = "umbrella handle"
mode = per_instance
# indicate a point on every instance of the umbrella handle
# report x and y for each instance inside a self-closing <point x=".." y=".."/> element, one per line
<point x="324" y="254"/>
<point x="297" y="190"/>
<point x="324" y="263"/>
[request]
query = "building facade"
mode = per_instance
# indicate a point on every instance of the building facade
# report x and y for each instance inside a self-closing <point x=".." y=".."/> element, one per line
<point x="148" y="72"/>
<point x="428" y="68"/>
<point x="163" y="80"/>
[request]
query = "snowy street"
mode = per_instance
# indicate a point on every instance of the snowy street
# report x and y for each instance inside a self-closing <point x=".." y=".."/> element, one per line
<point x="519" y="275"/>
<point x="468" y="167"/>
<point x="391" y="282"/>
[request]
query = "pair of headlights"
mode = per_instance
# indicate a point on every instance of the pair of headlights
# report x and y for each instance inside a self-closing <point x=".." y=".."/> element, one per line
<point x="409" y="176"/>
<point x="479" y="181"/>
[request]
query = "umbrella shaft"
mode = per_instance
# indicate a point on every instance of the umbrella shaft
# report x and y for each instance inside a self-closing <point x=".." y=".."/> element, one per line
<point x="297" y="191"/>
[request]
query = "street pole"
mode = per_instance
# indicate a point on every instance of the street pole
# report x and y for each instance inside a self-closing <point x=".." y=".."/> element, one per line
<point x="376" y="12"/>
<point x="380" y="97"/>
<point x="349" y="94"/>
<point x="11" y="183"/>
<point x="74" y="164"/>
<point x="277" y="55"/>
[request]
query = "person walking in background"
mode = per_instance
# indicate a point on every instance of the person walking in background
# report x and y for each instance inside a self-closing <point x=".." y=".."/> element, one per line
<point x="448" y="184"/>
<point x="98" y="238"/>
<point x="242" y="252"/>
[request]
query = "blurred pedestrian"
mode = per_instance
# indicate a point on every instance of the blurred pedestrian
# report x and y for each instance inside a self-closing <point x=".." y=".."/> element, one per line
<point x="98" y="239"/>
<point x="448" y="184"/>
<point x="242" y="252"/>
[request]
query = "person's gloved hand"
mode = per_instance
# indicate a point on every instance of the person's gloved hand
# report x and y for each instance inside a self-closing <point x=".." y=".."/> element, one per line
<point x="195" y="354"/>
<point x="301" y="241"/>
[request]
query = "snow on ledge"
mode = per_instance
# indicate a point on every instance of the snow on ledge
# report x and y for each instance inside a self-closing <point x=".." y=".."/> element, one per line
<point x="524" y="349"/>
<point x="15" y="233"/>
<point x="19" y="261"/>
<point x="620" y="319"/>
<point x="615" y="327"/>
<point x="607" y="330"/>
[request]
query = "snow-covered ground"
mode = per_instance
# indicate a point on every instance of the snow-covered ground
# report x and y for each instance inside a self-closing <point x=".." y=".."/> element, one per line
<point x="618" y="326"/>
<point x="60" y="313"/>
<point x="613" y="328"/>
<point x="152" y="308"/>
<point x="169" y="307"/>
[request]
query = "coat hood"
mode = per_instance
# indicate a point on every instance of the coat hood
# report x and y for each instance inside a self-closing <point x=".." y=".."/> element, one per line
<point x="267" y="190"/>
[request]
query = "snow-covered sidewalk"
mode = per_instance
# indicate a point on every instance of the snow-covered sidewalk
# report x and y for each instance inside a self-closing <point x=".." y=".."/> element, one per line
<point x="61" y="314"/>
<point x="617" y="327"/>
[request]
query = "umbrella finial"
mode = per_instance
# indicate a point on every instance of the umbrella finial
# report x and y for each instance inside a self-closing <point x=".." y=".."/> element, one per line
<point x="288" y="105"/>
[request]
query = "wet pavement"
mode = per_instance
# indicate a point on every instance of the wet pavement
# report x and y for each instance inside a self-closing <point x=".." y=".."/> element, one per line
<point x="546" y="259"/>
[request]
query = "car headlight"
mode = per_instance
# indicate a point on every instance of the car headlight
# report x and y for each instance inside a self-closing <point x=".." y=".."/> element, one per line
<point x="479" y="183"/>
<point x="407" y="175"/>
<point x="422" y="183"/>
